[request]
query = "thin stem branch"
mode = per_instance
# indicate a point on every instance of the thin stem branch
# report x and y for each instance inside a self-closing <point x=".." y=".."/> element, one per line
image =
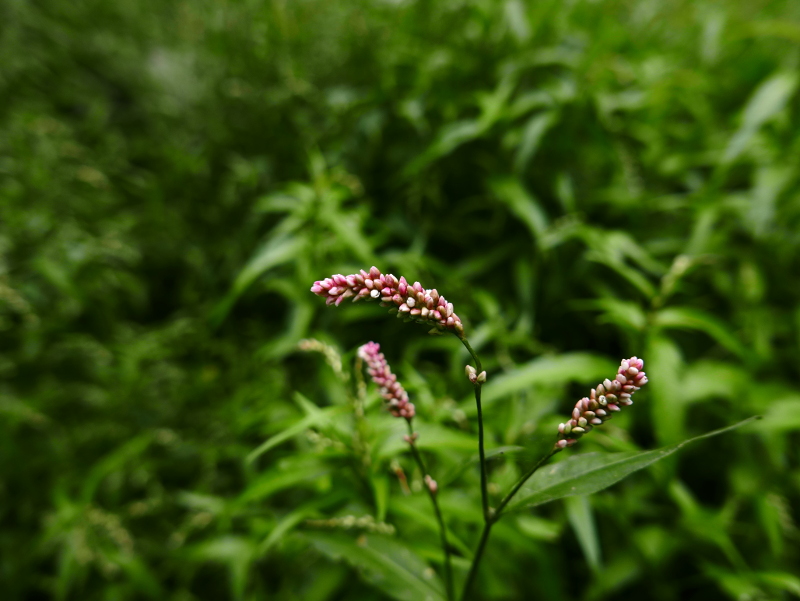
<point x="448" y="570"/>
<point x="481" y="451"/>
<point x="522" y="481"/>
<point x="473" y="569"/>
<point x="487" y="527"/>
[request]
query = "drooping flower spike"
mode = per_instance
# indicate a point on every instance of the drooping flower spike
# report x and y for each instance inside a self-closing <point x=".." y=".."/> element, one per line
<point x="411" y="301"/>
<point x="605" y="400"/>
<point x="391" y="390"/>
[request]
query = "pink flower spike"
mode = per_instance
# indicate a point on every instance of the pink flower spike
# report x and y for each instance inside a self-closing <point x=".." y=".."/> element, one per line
<point x="393" y="293"/>
<point x="604" y="400"/>
<point x="392" y="391"/>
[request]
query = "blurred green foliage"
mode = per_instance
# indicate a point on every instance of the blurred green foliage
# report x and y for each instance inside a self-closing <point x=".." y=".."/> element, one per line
<point x="585" y="180"/>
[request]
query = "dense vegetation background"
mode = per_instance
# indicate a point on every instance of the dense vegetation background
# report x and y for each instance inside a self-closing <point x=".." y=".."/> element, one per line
<point x="585" y="180"/>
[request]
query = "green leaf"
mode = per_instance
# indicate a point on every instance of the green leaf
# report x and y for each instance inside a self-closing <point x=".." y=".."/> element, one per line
<point x="114" y="462"/>
<point x="235" y="551"/>
<point x="281" y="478"/>
<point x="490" y="454"/>
<point x="322" y="416"/>
<point x="532" y="136"/>
<point x="769" y="99"/>
<point x="385" y="563"/>
<point x="432" y="437"/>
<point x="291" y="520"/>
<point x="275" y="252"/>
<point x="522" y="204"/>
<point x="664" y="366"/>
<point x="551" y="370"/>
<point x="579" y="513"/>
<point x="614" y="311"/>
<point x="781" y="416"/>
<point x="694" y="319"/>
<point x="591" y="472"/>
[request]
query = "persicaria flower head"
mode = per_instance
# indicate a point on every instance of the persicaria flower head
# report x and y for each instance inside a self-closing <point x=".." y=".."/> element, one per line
<point x="391" y="390"/>
<point x="411" y="302"/>
<point x="605" y="400"/>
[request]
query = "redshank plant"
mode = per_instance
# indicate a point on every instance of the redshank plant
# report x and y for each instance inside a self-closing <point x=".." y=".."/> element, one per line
<point x="413" y="302"/>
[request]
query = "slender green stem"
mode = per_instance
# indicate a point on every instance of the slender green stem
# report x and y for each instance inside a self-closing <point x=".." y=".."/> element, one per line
<point x="448" y="570"/>
<point x="473" y="569"/>
<point x="487" y="527"/>
<point x="522" y="481"/>
<point x="489" y="516"/>
<point x="481" y="451"/>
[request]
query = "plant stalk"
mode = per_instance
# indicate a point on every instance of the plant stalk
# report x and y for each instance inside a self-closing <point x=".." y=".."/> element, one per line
<point x="481" y="451"/>
<point x="487" y="527"/>
<point x="448" y="570"/>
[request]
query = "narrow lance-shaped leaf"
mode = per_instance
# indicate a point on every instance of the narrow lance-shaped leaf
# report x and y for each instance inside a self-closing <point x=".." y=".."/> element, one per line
<point x="591" y="472"/>
<point x="385" y="563"/>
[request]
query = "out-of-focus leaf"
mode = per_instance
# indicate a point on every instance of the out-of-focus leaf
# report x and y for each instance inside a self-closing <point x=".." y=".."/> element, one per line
<point x="237" y="552"/>
<point x="532" y="135"/>
<point x="768" y="99"/>
<point x="275" y="252"/>
<point x="622" y="313"/>
<point x="695" y="319"/>
<point x="431" y="437"/>
<point x="664" y="366"/>
<point x="385" y="563"/>
<point x="418" y="509"/>
<point x="538" y="528"/>
<point x="555" y="370"/>
<point x="489" y="454"/>
<point x="114" y="461"/>
<point x="782" y="581"/>
<point x="710" y="379"/>
<point x="591" y="472"/>
<point x="580" y="516"/>
<point x="781" y="416"/>
<point x="451" y="137"/>
<point x="522" y="204"/>
<point x="277" y="479"/>
<point x="293" y="518"/>
<point x="769" y="516"/>
<point x="381" y="490"/>
<point x="323" y="416"/>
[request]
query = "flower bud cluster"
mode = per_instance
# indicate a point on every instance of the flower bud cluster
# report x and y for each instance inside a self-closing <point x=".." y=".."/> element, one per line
<point x="605" y="400"/>
<point x="473" y="375"/>
<point x="391" y="390"/>
<point x="411" y="302"/>
<point x="431" y="484"/>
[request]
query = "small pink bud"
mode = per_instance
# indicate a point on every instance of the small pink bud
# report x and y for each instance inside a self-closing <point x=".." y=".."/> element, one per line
<point x="431" y="484"/>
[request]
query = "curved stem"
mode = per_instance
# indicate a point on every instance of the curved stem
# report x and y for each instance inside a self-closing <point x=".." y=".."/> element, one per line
<point x="481" y="451"/>
<point x="473" y="569"/>
<point x="448" y="570"/>
<point x="522" y="481"/>
<point x="487" y="527"/>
